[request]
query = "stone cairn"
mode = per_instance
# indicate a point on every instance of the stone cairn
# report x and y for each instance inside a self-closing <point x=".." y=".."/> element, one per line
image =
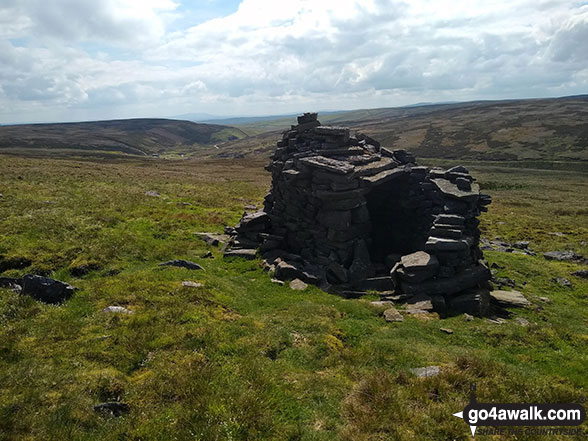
<point x="351" y="216"/>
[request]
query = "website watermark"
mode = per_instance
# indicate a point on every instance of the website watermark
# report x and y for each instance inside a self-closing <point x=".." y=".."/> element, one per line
<point x="509" y="419"/>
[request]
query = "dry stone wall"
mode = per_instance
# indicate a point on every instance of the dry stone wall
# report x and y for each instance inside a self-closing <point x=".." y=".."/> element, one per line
<point x="345" y="213"/>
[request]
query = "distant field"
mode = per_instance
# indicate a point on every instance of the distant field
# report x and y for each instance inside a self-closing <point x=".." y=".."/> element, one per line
<point x="128" y="137"/>
<point x="242" y="358"/>
<point x="516" y="130"/>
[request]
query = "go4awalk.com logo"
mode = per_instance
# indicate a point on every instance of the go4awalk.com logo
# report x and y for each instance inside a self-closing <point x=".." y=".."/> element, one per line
<point x="506" y="419"/>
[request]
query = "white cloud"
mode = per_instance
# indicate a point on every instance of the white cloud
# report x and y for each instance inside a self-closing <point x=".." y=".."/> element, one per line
<point x="284" y="56"/>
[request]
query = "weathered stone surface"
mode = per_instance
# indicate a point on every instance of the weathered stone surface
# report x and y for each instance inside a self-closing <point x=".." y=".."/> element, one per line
<point x="360" y="268"/>
<point x="298" y="285"/>
<point x="581" y="273"/>
<point x="339" y="220"/>
<point x="375" y="284"/>
<point x="475" y="302"/>
<point x="509" y="299"/>
<point x="243" y="253"/>
<point x="45" y="289"/>
<point x="563" y="256"/>
<point x="449" y="219"/>
<point x="384" y="176"/>
<point x="253" y="221"/>
<point x="428" y="371"/>
<point x="435" y="244"/>
<point x="180" y="263"/>
<point x="213" y="239"/>
<point x="286" y="271"/>
<point x="191" y="284"/>
<point x="419" y="260"/>
<point x="460" y="282"/>
<point x="152" y="194"/>
<point x="382" y="304"/>
<point x="403" y="157"/>
<point x="420" y="302"/>
<point x="328" y="164"/>
<point x="117" y="309"/>
<point x="562" y="281"/>
<point x="392" y="315"/>
<point x="450" y="189"/>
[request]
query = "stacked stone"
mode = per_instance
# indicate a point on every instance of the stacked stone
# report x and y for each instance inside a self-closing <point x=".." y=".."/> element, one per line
<point x="344" y="211"/>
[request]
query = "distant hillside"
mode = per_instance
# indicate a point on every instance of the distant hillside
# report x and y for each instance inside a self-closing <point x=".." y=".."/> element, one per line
<point x="130" y="136"/>
<point x="534" y="129"/>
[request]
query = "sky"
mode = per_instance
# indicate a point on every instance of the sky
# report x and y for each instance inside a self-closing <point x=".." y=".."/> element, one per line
<point x="74" y="60"/>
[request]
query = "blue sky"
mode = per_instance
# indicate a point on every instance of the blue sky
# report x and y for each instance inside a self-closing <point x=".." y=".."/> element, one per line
<point x="71" y="60"/>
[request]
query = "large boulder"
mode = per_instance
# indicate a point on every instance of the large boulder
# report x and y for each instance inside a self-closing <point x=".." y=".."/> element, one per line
<point x="45" y="289"/>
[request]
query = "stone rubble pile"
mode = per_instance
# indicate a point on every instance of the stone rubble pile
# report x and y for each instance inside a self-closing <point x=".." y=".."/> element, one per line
<point x="347" y="214"/>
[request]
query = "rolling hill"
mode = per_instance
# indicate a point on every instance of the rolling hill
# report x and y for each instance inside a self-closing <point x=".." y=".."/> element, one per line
<point x="535" y="129"/>
<point x="130" y="136"/>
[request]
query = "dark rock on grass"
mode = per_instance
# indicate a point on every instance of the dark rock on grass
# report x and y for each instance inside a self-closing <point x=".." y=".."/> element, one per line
<point x="562" y="282"/>
<point x="45" y="289"/>
<point x="521" y="244"/>
<point x="581" y="273"/>
<point x="112" y="408"/>
<point x="564" y="256"/>
<point x="505" y="281"/>
<point x="213" y="239"/>
<point x="182" y="264"/>
<point x="207" y="255"/>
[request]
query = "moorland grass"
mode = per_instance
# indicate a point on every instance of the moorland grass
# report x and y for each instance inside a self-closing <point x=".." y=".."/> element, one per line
<point x="242" y="358"/>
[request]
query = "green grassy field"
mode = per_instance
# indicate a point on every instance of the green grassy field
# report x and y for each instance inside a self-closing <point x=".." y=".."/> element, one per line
<point x="242" y="358"/>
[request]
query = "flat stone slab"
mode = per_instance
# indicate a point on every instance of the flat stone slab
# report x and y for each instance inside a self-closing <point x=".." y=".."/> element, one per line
<point x="375" y="167"/>
<point x="328" y="164"/>
<point x="384" y="176"/>
<point x="445" y="244"/>
<point x="450" y="219"/>
<point x="510" y="298"/>
<point x="245" y="253"/>
<point x="332" y="130"/>
<point x="419" y="260"/>
<point x="450" y="189"/>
